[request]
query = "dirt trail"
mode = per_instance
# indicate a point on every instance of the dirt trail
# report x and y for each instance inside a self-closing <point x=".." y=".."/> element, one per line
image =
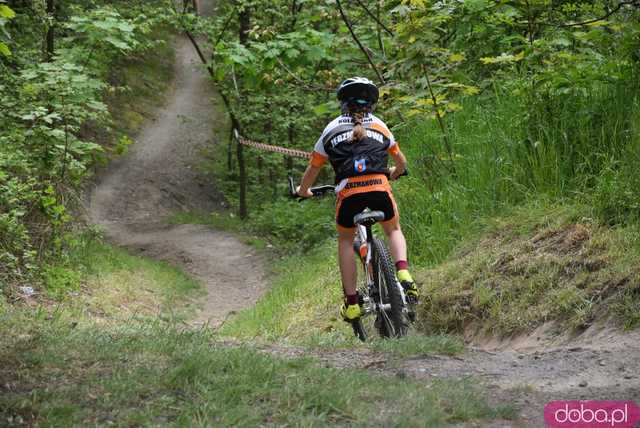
<point x="600" y="364"/>
<point x="160" y="176"/>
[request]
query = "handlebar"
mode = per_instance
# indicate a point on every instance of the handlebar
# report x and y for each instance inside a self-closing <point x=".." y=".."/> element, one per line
<point x="320" y="191"/>
<point x="317" y="191"/>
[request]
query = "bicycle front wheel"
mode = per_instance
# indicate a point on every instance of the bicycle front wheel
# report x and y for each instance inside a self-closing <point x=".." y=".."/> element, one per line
<point x="391" y="320"/>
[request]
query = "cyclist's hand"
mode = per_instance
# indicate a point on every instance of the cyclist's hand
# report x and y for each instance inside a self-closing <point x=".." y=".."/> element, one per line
<point x="394" y="173"/>
<point x="308" y="194"/>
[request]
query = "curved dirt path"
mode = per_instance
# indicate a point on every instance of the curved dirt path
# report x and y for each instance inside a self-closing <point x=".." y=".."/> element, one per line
<point x="161" y="176"/>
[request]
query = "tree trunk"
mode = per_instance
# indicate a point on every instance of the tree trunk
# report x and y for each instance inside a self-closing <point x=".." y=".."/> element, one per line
<point x="291" y="135"/>
<point x="244" y="18"/>
<point x="49" y="50"/>
<point x="243" y="181"/>
<point x="245" y="25"/>
<point x="230" y="153"/>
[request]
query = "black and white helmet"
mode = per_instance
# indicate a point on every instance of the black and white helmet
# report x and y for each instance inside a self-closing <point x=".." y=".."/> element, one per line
<point x="358" y="88"/>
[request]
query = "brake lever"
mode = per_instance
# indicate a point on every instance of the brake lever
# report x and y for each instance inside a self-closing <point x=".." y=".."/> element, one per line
<point x="292" y="189"/>
<point x="404" y="174"/>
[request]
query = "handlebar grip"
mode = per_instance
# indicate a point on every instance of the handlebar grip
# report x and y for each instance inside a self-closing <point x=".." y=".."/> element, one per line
<point x="322" y="190"/>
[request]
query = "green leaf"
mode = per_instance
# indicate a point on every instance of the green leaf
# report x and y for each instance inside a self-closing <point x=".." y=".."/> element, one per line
<point x="117" y="43"/>
<point x="4" y="50"/>
<point x="503" y="59"/>
<point x="292" y="53"/>
<point x="321" y="109"/>
<point x="6" y="12"/>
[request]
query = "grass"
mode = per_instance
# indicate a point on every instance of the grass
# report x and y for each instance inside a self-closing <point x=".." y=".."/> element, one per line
<point x="99" y="281"/>
<point x="154" y="374"/>
<point x="537" y="264"/>
<point x="67" y="367"/>
<point x="302" y="301"/>
<point x="416" y="345"/>
<point x="138" y="282"/>
<point x="302" y="308"/>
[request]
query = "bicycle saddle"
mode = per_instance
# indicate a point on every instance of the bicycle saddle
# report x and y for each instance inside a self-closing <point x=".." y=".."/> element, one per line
<point x="368" y="218"/>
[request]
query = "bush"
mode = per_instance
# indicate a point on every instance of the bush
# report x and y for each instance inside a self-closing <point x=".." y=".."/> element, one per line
<point x="45" y="106"/>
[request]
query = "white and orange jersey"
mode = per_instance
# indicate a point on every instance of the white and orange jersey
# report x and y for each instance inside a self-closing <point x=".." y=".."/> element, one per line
<point x="354" y="159"/>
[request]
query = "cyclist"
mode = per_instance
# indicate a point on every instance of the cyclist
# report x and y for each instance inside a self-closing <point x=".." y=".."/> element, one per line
<point x="357" y="145"/>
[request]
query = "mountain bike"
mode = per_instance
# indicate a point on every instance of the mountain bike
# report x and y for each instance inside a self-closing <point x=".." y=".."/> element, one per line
<point x="384" y="305"/>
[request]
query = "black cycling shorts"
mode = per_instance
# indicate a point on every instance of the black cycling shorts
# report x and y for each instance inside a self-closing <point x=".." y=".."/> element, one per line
<point x="352" y="205"/>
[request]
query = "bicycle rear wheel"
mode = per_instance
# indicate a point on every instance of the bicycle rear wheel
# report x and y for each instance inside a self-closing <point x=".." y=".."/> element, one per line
<point x="391" y="322"/>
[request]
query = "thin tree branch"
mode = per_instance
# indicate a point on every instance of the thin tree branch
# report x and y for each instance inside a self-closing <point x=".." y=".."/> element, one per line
<point x="305" y="85"/>
<point x="445" y="134"/>
<point x="591" y="21"/>
<point x="234" y="120"/>
<point x="196" y="46"/>
<point x="375" y="18"/>
<point x="224" y="28"/>
<point x="379" y="33"/>
<point x="235" y="123"/>
<point x="362" y="48"/>
<point x="66" y="140"/>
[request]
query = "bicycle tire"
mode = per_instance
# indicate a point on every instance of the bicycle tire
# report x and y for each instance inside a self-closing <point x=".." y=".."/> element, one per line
<point x="390" y="323"/>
